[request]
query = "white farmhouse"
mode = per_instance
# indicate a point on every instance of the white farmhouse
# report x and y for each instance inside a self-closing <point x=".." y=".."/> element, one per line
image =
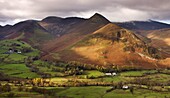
<point x="19" y="52"/>
<point x="125" y="87"/>
<point x="114" y="74"/>
<point x="108" y="74"/>
<point x="111" y="74"/>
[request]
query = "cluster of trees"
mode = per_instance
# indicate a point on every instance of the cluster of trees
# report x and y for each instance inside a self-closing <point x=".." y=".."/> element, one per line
<point x="42" y="82"/>
<point x="148" y="82"/>
<point x="154" y="52"/>
<point x="109" y="69"/>
<point x="5" y="88"/>
<point x="73" y="71"/>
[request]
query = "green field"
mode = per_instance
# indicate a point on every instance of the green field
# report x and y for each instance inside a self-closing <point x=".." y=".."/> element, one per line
<point x="115" y="79"/>
<point x="138" y="93"/>
<point x="100" y="92"/>
<point x="91" y="74"/>
<point x="17" y="70"/>
<point x="90" y="92"/>
<point x="137" y="73"/>
<point x="22" y="94"/>
<point x="84" y="92"/>
<point x="15" y="57"/>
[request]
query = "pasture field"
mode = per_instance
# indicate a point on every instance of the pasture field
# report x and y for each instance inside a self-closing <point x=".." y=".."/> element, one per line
<point x="17" y="70"/>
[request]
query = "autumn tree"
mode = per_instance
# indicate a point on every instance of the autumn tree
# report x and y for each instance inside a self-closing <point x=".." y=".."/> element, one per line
<point x="131" y="90"/>
<point x="6" y="88"/>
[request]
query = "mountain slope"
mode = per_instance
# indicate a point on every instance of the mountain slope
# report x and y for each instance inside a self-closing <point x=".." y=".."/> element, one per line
<point x="3" y="30"/>
<point x="143" y="25"/>
<point x="76" y="33"/>
<point x="159" y="39"/>
<point x="111" y="45"/>
<point x="152" y="32"/>
<point x="59" y="26"/>
<point x="29" y="31"/>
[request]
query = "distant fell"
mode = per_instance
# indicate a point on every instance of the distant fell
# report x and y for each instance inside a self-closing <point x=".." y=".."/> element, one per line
<point x="143" y="25"/>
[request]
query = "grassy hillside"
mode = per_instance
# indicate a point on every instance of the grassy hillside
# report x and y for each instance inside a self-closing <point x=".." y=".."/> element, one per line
<point x="13" y="54"/>
<point x="38" y="37"/>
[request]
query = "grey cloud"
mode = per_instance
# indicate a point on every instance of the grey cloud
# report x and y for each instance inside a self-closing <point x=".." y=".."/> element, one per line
<point x="115" y="10"/>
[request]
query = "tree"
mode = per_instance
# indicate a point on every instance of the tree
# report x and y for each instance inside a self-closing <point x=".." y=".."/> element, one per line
<point x="20" y="88"/>
<point x="131" y="90"/>
<point x="34" y="89"/>
<point x="0" y="87"/>
<point x="11" y="94"/>
<point x="6" y="88"/>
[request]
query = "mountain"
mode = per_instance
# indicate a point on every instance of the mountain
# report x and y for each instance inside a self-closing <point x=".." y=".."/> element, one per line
<point x="59" y="26"/>
<point x="38" y="32"/>
<point x="3" y="30"/>
<point x="110" y="45"/>
<point x="29" y="31"/>
<point x="143" y="25"/>
<point x="93" y="41"/>
<point x="76" y="33"/>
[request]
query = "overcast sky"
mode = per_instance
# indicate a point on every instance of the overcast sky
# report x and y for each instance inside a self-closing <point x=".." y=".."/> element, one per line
<point x="12" y="11"/>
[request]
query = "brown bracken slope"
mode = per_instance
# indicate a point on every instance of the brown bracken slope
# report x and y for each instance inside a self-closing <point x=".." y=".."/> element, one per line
<point x="108" y="46"/>
<point x="159" y="39"/>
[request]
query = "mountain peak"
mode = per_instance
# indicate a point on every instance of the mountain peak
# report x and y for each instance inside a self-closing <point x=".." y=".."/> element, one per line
<point x="52" y="19"/>
<point x="98" y="18"/>
<point x="97" y="14"/>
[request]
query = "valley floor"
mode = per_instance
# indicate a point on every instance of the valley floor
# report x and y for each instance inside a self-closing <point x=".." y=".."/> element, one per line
<point x="141" y="84"/>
